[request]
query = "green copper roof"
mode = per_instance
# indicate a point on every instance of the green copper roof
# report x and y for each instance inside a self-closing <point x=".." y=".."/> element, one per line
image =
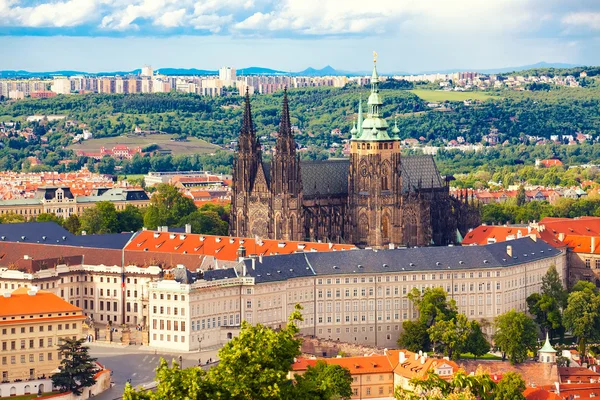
<point x="374" y="127"/>
<point x="547" y="348"/>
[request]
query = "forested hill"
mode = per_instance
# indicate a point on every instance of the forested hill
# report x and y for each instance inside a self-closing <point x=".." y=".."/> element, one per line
<point x="315" y="111"/>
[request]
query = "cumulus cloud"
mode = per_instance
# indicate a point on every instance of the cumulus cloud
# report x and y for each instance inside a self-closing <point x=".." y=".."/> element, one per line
<point x="582" y="19"/>
<point x="55" y="14"/>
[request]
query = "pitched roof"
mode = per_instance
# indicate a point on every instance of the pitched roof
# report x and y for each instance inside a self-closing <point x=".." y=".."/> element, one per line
<point x="51" y="233"/>
<point x="483" y="233"/>
<point x="221" y="247"/>
<point x="21" y="303"/>
<point x="330" y="177"/>
<point x="373" y="364"/>
<point x="540" y="394"/>
<point x="398" y="260"/>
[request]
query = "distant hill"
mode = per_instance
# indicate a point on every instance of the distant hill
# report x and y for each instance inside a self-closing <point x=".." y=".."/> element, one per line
<point x="184" y="71"/>
<point x="326" y="71"/>
<point x="259" y="71"/>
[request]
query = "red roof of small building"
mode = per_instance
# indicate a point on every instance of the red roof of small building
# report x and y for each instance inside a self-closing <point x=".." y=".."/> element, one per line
<point x="20" y="302"/>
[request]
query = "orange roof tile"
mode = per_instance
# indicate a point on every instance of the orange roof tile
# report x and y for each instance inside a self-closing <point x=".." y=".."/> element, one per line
<point x="221" y="247"/>
<point x="540" y="394"/>
<point x="356" y="365"/>
<point x="21" y="303"/>
<point x="483" y="233"/>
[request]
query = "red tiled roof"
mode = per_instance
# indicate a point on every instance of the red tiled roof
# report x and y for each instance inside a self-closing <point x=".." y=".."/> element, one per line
<point x="21" y="303"/>
<point x="221" y="247"/>
<point x="540" y="394"/>
<point x="482" y="233"/>
<point x="356" y="365"/>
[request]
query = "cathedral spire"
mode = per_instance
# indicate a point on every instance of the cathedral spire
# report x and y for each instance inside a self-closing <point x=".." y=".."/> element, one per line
<point x="247" y="142"/>
<point x="285" y="140"/>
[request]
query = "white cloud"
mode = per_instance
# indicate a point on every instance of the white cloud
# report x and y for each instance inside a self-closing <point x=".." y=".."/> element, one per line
<point x="320" y="17"/>
<point x="582" y="19"/>
<point x="212" y="22"/>
<point x="171" y="19"/>
<point x="56" y="14"/>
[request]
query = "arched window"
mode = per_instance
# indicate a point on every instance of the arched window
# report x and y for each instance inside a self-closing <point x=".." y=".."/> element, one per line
<point x="385" y="228"/>
<point x="363" y="228"/>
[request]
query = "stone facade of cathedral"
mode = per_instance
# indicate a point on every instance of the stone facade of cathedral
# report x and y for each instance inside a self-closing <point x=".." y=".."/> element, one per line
<point x="377" y="198"/>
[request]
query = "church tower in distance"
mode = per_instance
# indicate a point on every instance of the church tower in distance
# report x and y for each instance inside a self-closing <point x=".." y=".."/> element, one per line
<point x="245" y="168"/>
<point x="286" y="183"/>
<point x="374" y="180"/>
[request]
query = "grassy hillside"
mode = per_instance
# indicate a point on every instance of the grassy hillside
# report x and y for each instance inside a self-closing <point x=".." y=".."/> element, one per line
<point x="443" y="95"/>
<point x="191" y="146"/>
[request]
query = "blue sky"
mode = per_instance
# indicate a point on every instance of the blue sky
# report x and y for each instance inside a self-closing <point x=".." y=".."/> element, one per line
<point x="409" y="35"/>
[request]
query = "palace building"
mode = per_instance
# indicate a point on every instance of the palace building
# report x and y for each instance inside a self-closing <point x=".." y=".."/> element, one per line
<point x="376" y="198"/>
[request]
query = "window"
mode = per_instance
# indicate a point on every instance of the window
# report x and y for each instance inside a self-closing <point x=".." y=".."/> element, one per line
<point x="587" y="263"/>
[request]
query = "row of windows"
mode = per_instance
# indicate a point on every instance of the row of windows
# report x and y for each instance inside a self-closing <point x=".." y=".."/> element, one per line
<point x="214" y="322"/>
<point x="414" y="277"/>
<point x="162" y="337"/>
<point x="23" y="358"/>
<point x="168" y="324"/>
<point x="24" y="342"/>
<point x="168" y="297"/>
<point x="41" y="328"/>
<point x="167" y="310"/>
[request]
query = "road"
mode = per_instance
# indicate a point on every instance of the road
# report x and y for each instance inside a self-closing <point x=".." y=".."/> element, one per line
<point x="139" y="365"/>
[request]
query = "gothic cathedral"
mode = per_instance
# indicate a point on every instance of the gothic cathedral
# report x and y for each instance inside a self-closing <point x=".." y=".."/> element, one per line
<point x="377" y="198"/>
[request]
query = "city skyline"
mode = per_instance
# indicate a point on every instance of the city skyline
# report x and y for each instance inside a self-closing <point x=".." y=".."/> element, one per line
<point x="94" y="35"/>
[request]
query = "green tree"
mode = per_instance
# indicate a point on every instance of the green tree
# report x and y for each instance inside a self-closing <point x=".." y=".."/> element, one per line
<point x="510" y="387"/>
<point x="206" y="222"/>
<point x="167" y="207"/>
<point x="584" y="286"/>
<point x="582" y="316"/>
<point x="77" y="368"/>
<point x="546" y="312"/>
<point x="521" y="196"/>
<point x="324" y="382"/>
<point x="12" y="218"/>
<point x="552" y="286"/>
<point x="433" y="305"/>
<point x="131" y="219"/>
<point x="255" y="364"/>
<point x="49" y="217"/>
<point x="102" y="218"/>
<point x="107" y="165"/>
<point x="72" y="224"/>
<point x="450" y="335"/>
<point x="177" y="383"/>
<point x="414" y="336"/>
<point x="515" y="335"/>
<point x="476" y="343"/>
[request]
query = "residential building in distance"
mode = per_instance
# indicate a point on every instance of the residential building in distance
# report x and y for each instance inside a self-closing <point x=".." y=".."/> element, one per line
<point x="33" y="322"/>
<point x="60" y="201"/>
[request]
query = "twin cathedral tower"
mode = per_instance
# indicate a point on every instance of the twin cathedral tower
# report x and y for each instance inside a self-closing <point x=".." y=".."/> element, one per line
<point x="376" y="198"/>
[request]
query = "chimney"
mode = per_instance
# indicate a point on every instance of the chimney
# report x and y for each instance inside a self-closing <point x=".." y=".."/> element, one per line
<point x="188" y="228"/>
<point x="253" y="263"/>
<point x="561" y="236"/>
<point x="83" y="233"/>
<point x="260" y="258"/>
<point x="509" y="250"/>
<point x="422" y="360"/>
<point x="7" y="295"/>
<point x="33" y="291"/>
<point x="402" y="357"/>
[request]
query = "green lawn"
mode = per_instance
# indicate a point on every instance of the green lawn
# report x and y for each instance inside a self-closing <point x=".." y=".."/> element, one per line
<point x="488" y="356"/>
<point x="191" y="146"/>
<point x="442" y="95"/>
